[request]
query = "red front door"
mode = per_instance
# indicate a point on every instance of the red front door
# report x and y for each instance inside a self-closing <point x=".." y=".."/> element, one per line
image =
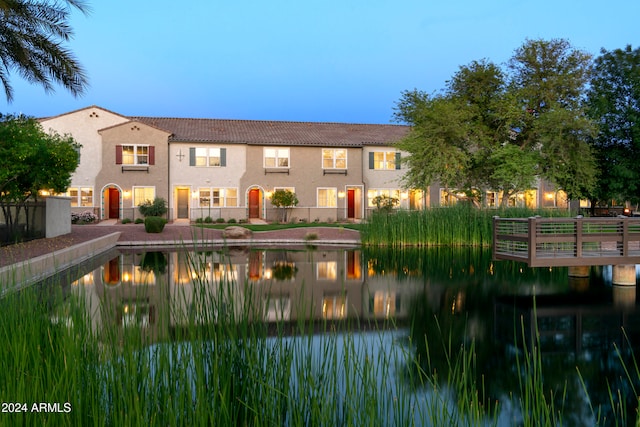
<point x="114" y="203"/>
<point x="254" y="203"/>
<point x="351" y="203"/>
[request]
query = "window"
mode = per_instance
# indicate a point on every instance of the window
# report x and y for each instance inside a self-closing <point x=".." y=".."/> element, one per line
<point x="388" y="193"/>
<point x="276" y="157"/>
<point x="492" y="199"/>
<point x="327" y="197"/>
<point x="334" y="306"/>
<point x="143" y="194"/>
<point x="135" y="155"/>
<point x="384" y="160"/>
<point x="334" y="158"/>
<point x="80" y="196"/>
<point x="203" y="157"/>
<point x="218" y="197"/>
<point x="327" y="270"/>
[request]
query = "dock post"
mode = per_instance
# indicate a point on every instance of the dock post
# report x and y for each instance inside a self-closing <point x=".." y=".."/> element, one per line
<point x="624" y="275"/>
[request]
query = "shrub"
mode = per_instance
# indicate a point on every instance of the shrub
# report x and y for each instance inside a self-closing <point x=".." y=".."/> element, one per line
<point x="199" y="220"/>
<point x="126" y="221"/>
<point x="220" y="220"/>
<point x="156" y="208"/>
<point x="208" y="220"/>
<point x="86" y="217"/>
<point x="231" y="221"/>
<point x="154" y="224"/>
<point x="139" y="221"/>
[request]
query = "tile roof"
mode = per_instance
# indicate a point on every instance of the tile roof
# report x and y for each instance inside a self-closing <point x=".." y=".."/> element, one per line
<point x="256" y="132"/>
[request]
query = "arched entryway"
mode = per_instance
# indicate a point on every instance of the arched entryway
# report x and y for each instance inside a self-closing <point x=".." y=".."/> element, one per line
<point x="111" y="201"/>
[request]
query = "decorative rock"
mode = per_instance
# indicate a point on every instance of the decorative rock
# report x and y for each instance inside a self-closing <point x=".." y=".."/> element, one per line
<point x="236" y="232"/>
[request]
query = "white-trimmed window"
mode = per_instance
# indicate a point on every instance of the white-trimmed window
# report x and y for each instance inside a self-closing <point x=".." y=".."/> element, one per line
<point x="327" y="197"/>
<point x="143" y="194"/>
<point x="135" y="154"/>
<point x="372" y="193"/>
<point x="276" y="157"/>
<point x="327" y="270"/>
<point x="492" y="199"/>
<point x="334" y="158"/>
<point x="217" y="197"/>
<point x="384" y="160"/>
<point x="207" y="156"/>
<point x="334" y="306"/>
<point x="82" y="196"/>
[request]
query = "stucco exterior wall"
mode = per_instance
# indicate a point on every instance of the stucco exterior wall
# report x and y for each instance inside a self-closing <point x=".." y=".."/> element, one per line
<point x="125" y="177"/>
<point x="83" y="125"/>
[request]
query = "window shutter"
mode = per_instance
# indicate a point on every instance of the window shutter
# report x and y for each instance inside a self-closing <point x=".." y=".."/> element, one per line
<point x="223" y="157"/>
<point x="118" y="154"/>
<point x="397" y="160"/>
<point x="371" y="164"/>
<point x="152" y="155"/>
<point x="192" y="156"/>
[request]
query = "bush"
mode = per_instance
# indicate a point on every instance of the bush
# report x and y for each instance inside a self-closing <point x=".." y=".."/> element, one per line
<point x="231" y="221"/>
<point x="208" y="220"/>
<point x="154" y="224"/>
<point x="126" y="221"/>
<point x="199" y="220"/>
<point x="86" y="217"/>
<point x="220" y="220"/>
<point x="139" y="221"/>
<point x="156" y="208"/>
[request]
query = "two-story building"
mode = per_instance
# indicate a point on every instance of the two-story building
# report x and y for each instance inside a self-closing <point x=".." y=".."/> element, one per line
<point x="214" y="168"/>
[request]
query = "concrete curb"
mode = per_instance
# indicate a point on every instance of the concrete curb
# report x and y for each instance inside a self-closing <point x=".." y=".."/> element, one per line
<point x="25" y="273"/>
<point x="237" y="242"/>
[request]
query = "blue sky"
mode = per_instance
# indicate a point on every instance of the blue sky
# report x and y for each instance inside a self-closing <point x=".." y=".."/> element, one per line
<point x="304" y="60"/>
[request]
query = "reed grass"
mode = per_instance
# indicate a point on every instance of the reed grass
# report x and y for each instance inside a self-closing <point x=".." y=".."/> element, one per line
<point x="221" y="365"/>
<point x="458" y="225"/>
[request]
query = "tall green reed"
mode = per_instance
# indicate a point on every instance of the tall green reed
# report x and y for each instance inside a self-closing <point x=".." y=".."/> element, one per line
<point x="457" y="225"/>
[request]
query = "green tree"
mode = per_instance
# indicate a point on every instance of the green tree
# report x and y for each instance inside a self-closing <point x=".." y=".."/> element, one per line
<point x="614" y="104"/>
<point x="31" y="160"/>
<point x="284" y="200"/>
<point x="548" y="80"/>
<point x="438" y="144"/>
<point x="471" y="137"/>
<point x="32" y="37"/>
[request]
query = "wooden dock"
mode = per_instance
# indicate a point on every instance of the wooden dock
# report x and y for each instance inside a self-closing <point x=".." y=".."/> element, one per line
<point x="567" y="242"/>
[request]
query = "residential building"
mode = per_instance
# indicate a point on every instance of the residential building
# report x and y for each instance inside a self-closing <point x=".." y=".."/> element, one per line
<point x="214" y="168"/>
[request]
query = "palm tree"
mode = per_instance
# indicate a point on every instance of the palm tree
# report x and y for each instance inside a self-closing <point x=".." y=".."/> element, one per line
<point x="32" y="33"/>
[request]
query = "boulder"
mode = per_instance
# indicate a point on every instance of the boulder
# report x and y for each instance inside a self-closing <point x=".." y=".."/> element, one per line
<point x="236" y="232"/>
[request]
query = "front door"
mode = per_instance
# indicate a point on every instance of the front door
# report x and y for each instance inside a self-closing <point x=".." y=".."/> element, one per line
<point x="114" y="203"/>
<point x="183" y="203"/>
<point x="254" y="203"/>
<point x="351" y="203"/>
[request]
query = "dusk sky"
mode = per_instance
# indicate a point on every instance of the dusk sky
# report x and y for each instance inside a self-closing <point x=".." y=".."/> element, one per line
<point x="304" y="60"/>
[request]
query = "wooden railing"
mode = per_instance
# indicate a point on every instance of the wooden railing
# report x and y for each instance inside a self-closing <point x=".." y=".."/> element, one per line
<point x="552" y="242"/>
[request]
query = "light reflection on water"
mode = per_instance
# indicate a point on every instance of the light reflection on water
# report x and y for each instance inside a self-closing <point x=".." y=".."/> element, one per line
<point x="455" y="295"/>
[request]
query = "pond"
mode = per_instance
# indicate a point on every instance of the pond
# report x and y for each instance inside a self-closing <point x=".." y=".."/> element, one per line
<point x="435" y="301"/>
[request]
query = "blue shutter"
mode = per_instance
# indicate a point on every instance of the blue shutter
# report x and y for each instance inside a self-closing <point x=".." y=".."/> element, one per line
<point x="223" y="157"/>
<point x="371" y="164"/>
<point x="192" y="156"/>
<point x="397" y="160"/>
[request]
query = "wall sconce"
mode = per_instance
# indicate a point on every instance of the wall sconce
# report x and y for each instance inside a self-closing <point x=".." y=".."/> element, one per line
<point x="127" y="193"/>
<point x="268" y="194"/>
<point x="194" y="194"/>
<point x="341" y="194"/>
<point x="548" y="196"/>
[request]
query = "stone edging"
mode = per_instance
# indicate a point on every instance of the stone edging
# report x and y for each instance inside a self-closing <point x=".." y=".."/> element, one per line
<point x="25" y="273"/>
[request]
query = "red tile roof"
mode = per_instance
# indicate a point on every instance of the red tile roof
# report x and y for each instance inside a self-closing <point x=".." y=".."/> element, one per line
<point x="256" y="132"/>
